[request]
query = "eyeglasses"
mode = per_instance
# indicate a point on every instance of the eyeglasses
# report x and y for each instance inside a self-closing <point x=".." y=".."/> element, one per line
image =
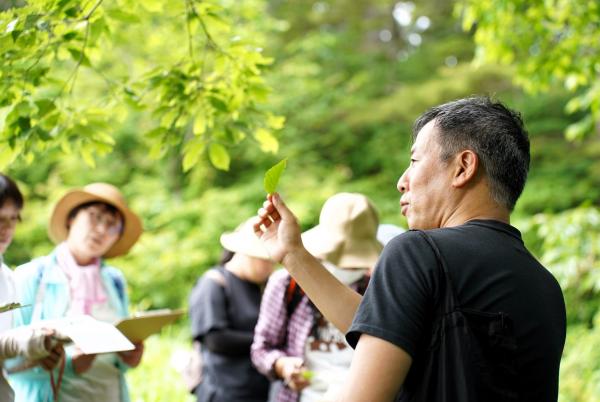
<point x="9" y="221"/>
<point x="113" y="225"/>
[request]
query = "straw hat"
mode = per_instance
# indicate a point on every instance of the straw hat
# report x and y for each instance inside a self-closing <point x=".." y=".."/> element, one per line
<point x="100" y="192"/>
<point x="243" y="240"/>
<point x="346" y="233"/>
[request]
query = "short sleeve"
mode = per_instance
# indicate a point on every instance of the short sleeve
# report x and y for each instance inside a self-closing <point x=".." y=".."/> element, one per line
<point x="397" y="305"/>
<point x="208" y="308"/>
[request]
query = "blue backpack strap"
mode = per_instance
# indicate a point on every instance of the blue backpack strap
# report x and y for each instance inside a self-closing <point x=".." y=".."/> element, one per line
<point x="40" y="287"/>
<point x="117" y="280"/>
<point x="120" y="286"/>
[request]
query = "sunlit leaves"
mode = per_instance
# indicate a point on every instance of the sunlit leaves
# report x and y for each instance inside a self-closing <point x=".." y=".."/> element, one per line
<point x="191" y="154"/>
<point x="204" y="88"/>
<point x="123" y="16"/>
<point x="219" y="156"/>
<point x="549" y="42"/>
<point x="570" y="248"/>
<point x="268" y="143"/>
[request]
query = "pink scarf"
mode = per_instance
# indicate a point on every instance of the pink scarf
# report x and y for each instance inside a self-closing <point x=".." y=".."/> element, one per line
<point x="85" y="282"/>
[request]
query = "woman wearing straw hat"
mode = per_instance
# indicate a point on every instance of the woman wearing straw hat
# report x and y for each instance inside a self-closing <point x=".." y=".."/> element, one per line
<point x="293" y="342"/>
<point x="224" y="307"/>
<point x="89" y="225"/>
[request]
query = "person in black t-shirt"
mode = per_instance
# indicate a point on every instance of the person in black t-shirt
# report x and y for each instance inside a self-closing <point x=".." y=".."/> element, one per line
<point x="457" y="309"/>
<point x="224" y="307"/>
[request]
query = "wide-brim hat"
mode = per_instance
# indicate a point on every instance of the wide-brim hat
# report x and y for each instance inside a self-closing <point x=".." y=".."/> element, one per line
<point x="243" y="240"/>
<point x="347" y="232"/>
<point x="96" y="192"/>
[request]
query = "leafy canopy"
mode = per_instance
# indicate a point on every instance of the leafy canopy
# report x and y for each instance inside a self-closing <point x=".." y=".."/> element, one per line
<point x="548" y="42"/>
<point x="73" y="71"/>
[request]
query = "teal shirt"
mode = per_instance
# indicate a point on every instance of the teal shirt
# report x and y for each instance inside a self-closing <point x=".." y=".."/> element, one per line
<point x="34" y="385"/>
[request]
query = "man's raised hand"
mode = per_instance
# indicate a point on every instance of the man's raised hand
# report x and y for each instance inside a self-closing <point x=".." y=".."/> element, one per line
<point x="278" y="228"/>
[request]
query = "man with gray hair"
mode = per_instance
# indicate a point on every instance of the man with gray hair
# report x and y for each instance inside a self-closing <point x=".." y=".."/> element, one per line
<point x="458" y="309"/>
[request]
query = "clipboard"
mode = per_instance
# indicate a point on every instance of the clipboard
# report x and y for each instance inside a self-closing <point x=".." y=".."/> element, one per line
<point x="141" y="325"/>
<point x="88" y="334"/>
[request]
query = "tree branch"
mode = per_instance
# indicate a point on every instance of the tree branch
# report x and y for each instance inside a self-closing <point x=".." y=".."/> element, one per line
<point x="188" y="12"/>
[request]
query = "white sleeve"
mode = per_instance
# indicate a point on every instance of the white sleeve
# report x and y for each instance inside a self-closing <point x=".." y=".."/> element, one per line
<point x="23" y="341"/>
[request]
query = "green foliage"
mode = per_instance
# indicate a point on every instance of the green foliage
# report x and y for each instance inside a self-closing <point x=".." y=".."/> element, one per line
<point x="580" y="365"/>
<point x="156" y="379"/>
<point x="548" y="42"/>
<point x="143" y="89"/>
<point x="73" y="71"/>
<point x="568" y="243"/>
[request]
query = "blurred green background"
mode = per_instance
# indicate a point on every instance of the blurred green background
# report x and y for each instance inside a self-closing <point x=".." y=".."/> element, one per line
<point x="349" y="77"/>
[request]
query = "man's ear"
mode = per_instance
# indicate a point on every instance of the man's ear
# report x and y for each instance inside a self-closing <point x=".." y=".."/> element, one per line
<point x="466" y="167"/>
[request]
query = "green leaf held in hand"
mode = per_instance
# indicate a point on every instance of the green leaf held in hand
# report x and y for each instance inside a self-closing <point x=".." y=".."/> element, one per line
<point x="272" y="176"/>
<point x="308" y="374"/>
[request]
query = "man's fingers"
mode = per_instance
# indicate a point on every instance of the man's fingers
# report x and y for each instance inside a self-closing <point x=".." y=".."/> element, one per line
<point x="263" y="214"/>
<point x="280" y="206"/>
<point x="257" y="228"/>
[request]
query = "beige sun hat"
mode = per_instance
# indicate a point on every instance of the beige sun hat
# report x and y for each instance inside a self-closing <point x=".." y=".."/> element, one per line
<point x="243" y="240"/>
<point x="346" y="235"/>
<point x="101" y="192"/>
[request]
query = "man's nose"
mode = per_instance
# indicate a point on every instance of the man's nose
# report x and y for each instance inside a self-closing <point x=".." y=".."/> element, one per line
<point x="402" y="185"/>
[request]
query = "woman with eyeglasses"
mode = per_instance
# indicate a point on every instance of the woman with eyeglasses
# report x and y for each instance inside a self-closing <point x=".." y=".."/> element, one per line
<point x="89" y="225"/>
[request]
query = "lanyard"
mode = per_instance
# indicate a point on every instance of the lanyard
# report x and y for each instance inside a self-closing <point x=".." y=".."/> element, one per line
<point x="56" y="384"/>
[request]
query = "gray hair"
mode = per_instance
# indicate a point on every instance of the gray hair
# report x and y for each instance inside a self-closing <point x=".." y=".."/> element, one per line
<point x="491" y="130"/>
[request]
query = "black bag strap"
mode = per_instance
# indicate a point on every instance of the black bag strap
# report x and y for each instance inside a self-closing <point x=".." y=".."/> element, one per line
<point x="450" y="302"/>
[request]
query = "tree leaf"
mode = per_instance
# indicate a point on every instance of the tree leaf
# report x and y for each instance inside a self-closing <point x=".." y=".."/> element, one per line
<point x="199" y="125"/>
<point x="272" y="176"/>
<point x="123" y="16"/>
<point x="45" y="106"/>
<point x="79" y="57"/>
<point x="8" y="156"/>
<point x="218" y="103"/>
<point x="275" y="122"/>
<point x="87" y="156"/>
<point x="219" y="156"/>
<point x="191" y="153"/>
<point x="268" y="143"/>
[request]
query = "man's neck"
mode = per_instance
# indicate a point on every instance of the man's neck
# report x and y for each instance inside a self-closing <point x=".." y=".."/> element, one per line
<point x="472" y="208"/>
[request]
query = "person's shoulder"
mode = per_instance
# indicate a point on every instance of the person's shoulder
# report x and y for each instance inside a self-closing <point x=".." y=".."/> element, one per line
<point x="277" y="284"/>
<point x="5" y="270"/>
<point x="213" y="277"/>
<point x="410" y="250"/>
<point x="112" y="270"/>
<point x="408" y="236"/>
<point x="34" y="266"/>
<point x="217" y="275"/>
<point x="408" y="240"/>
<point x="279" y="276"/>
<point x="7" y="278"/>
